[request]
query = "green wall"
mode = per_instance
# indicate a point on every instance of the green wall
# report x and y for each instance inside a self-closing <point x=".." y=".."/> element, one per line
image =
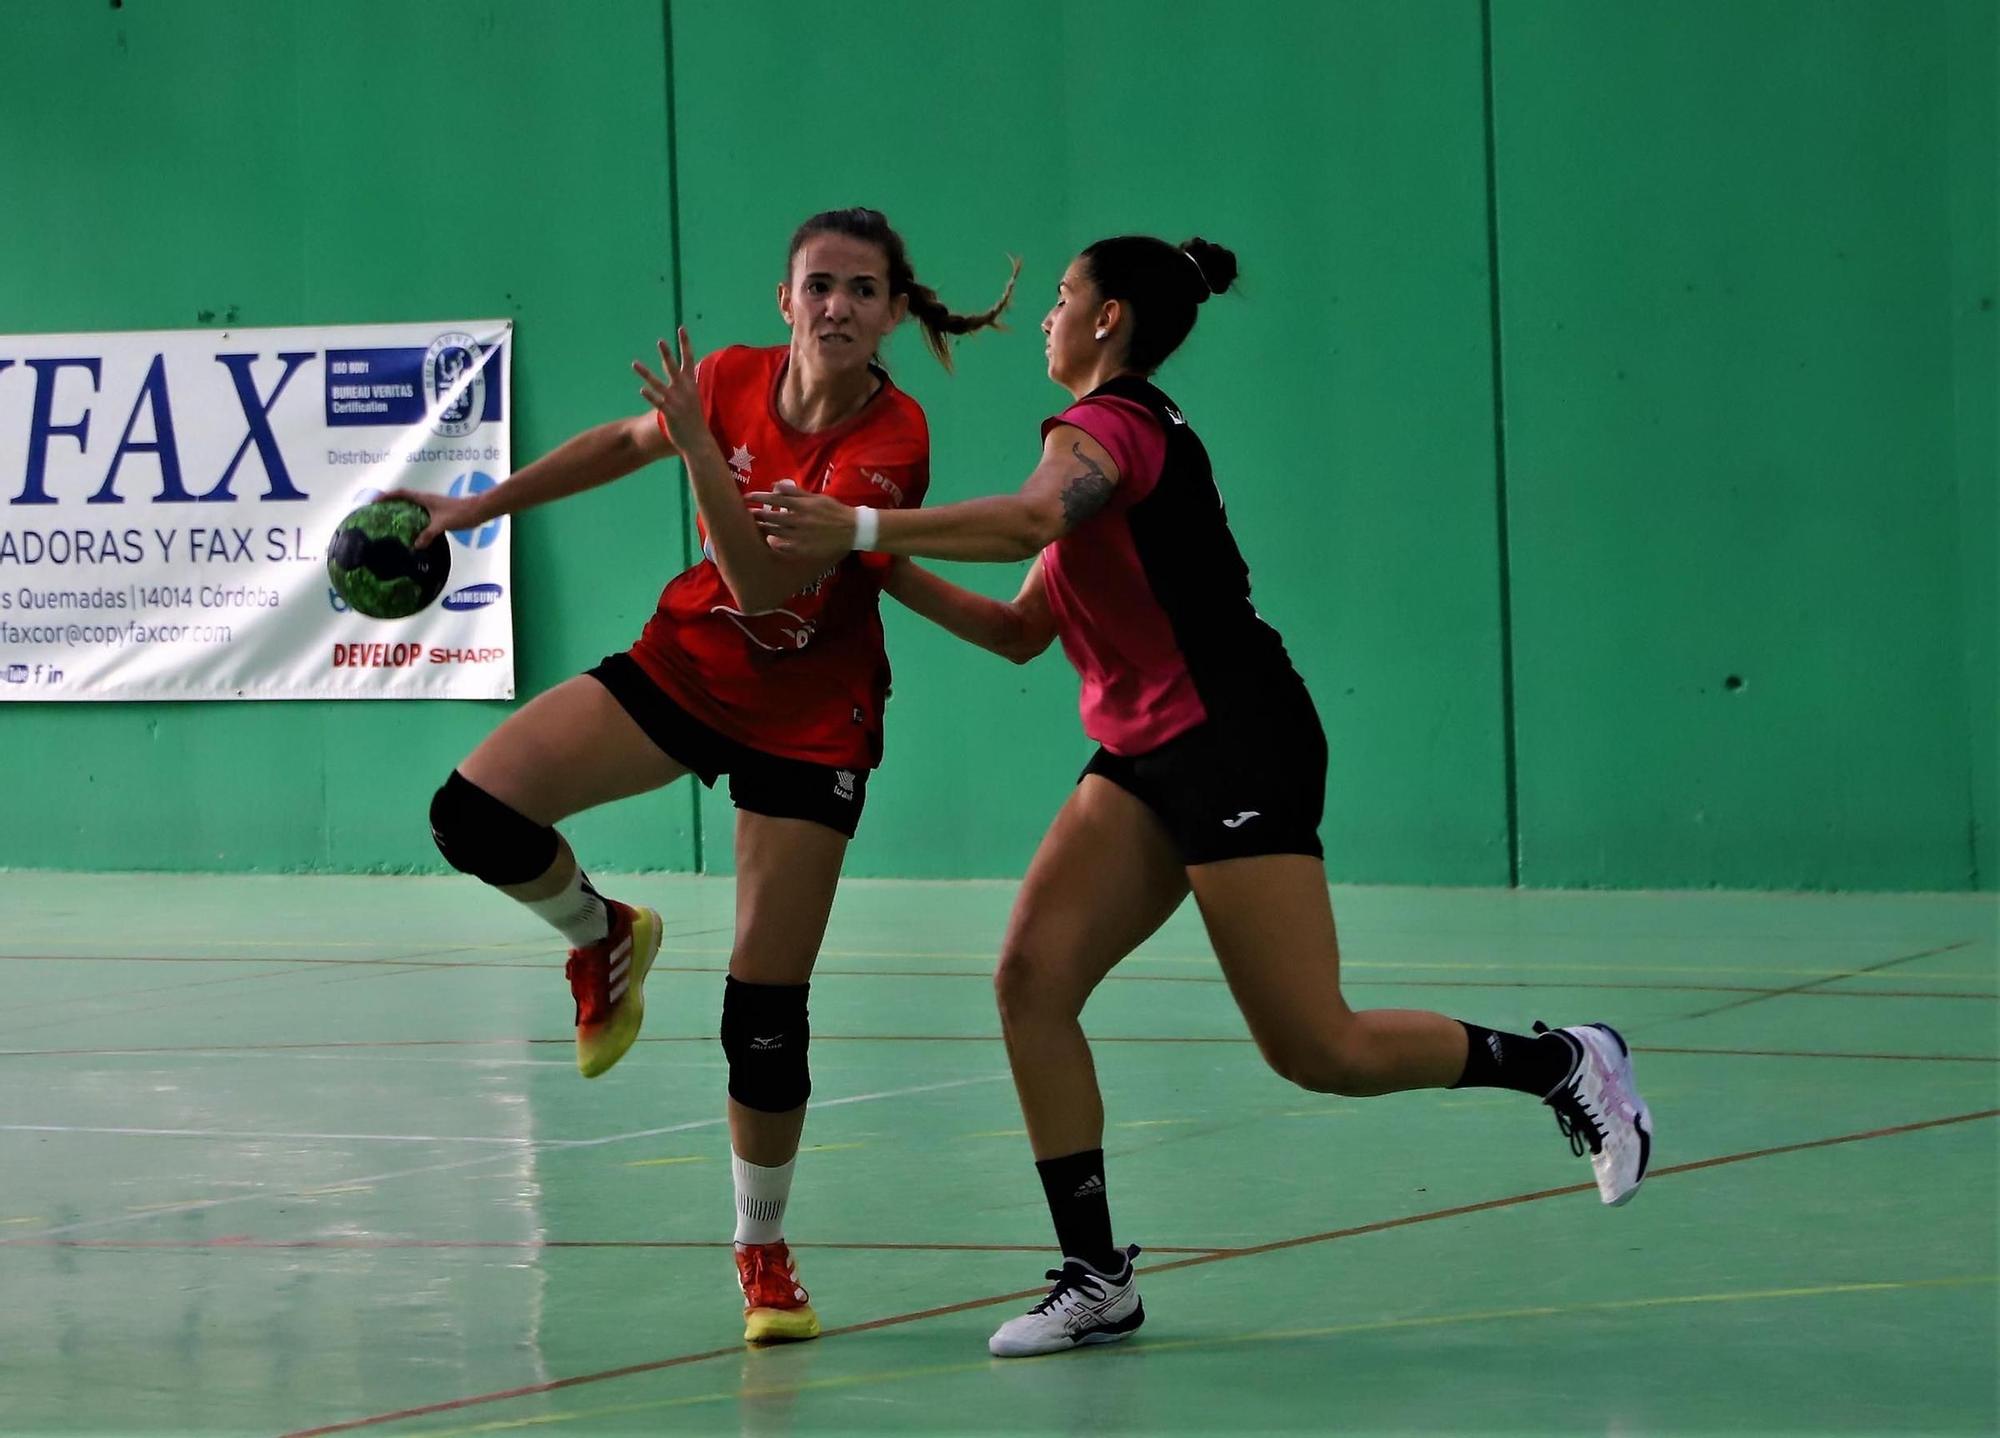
<point x="1746" y="277"/>
<point x="1744" y="422"/>
<point x="268" y="162"/>
<point x="1353" y="375"/>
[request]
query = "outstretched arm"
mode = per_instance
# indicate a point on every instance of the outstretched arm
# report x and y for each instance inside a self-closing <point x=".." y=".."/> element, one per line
<point x="597" y="456"/>
<point x="1073" y="481"/>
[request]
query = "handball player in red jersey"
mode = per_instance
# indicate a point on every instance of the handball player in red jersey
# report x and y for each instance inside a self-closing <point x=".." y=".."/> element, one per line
<point x="1209" y="777"/>
<point x="765" y="667"/>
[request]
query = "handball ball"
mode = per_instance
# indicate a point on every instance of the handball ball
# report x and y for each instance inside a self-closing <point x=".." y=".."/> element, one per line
<point x="374" y="565"/>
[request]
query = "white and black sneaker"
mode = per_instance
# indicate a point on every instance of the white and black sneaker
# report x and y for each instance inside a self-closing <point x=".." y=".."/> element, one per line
<point x="1599" y="1111"/>
<point x="1085" y="1306"/>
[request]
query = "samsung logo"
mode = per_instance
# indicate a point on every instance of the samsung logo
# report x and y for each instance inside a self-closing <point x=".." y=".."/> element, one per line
<point x="473" y="596"/>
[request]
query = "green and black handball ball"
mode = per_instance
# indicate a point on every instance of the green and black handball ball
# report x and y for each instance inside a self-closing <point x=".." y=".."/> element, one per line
<point x="373" y="562"/>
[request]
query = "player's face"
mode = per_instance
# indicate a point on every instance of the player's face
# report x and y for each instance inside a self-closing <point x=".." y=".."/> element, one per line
<point x="837" y="301"/>
<point x="1070" y="328"/>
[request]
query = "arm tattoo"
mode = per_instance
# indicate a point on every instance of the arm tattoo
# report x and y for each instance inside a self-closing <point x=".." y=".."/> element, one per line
<point x="1085" y="493"/>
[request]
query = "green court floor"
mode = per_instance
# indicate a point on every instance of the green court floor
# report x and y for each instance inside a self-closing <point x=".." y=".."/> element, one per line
<point x="310" y="1155"/>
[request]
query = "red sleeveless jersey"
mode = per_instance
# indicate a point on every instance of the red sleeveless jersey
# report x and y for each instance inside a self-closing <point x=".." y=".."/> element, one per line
<point x="807" y="680"/>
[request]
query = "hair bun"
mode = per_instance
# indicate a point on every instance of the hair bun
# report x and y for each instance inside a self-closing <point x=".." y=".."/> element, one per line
<point x="1215" y="265"/>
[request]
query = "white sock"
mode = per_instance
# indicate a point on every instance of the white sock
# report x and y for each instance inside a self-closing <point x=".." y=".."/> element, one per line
<point x="578" y="913"/>
<point x="760" y="1200"/>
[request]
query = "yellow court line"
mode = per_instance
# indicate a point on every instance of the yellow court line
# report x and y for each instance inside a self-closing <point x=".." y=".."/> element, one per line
<point x="1000" y="1133"/>
<point x="830" y="1147"/>
<point x="1825" y="1290"/>
<point x="656" y="1162"/>
<point x="1382" y="1325"/>
<point x="32" y="1218"/>
<point x="1152" y="1122"/>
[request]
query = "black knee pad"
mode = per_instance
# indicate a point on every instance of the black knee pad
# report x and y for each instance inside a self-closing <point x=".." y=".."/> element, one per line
<point x="765" y="1034"/>
<point x="480" y="836"/>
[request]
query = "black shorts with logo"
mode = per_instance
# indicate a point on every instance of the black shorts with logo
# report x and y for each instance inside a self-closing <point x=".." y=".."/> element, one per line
<point x="1237" y="786"/>
<point x="759" y="783"/>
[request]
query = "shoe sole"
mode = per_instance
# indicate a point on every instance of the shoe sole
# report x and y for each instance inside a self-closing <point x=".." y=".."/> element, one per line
<point x="780" y="1325"/>
<point x="1130" y="1325"/>
<point x="647" y="931"/>
<point x="1643" y="1124"/>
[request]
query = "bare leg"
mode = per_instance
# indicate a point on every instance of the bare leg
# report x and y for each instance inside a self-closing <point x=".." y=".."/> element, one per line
<point x="568" y="749"/>
<point x="1271" y="922"/>
<point x="1104" y="879"/>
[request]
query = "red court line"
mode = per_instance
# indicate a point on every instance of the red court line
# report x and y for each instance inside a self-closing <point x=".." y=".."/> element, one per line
<point x="329" y="1044"/>
<point x="1670" y="1169"/>
<point x="1829" y="979"/>
<point x="1350" y="980"/>
<point x="629" y="1370"/>
<point x="1353" y="982"/>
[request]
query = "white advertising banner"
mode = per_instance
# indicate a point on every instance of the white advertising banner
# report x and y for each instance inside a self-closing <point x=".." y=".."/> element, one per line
<point x="166" y="499"/>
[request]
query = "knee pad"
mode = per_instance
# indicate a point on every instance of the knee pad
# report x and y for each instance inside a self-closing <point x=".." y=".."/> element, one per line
<point x="764" y="1036"/>
<point x="480" y="836"/>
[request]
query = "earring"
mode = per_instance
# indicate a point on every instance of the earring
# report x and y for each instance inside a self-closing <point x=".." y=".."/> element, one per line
<point x="1104" y="334"/>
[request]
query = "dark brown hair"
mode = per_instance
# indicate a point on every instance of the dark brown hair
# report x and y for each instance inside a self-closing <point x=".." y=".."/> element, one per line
<point x="1162" y="284"/>
<point x="932" y="313"/>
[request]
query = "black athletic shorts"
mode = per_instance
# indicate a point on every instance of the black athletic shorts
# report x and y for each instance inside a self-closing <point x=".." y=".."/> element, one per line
<point x="759" y="783"/>
<point x="1237" y="786"/>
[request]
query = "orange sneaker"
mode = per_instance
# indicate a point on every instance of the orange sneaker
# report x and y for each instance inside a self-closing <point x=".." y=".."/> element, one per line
<point x="608" y="981"/>
<point x="776" y="1309"/>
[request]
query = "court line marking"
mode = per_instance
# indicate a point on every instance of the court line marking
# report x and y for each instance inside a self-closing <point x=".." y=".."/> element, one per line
<point x="1861" y="972"/>
<point x="943" y="1310"/>
<point x="294" y="970"/>
<point x="561" y="1145"/>
<point x="1350" y="981"/>
<point x="316" y="1050"/>
<point x="73" y="1000"/>
<point x="287" y="1245"/>
<point x="1348" y="965"/>
<point x="245" y="1134"/>
<point x="1222" y="1341"/>
<point x="1821" y="1054"/>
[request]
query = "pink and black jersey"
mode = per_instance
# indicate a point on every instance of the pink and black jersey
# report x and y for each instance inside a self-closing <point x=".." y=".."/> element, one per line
<point x="1151" y="596"/>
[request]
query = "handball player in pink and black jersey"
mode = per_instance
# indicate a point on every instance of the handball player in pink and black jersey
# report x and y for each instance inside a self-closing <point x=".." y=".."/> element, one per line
<point x="1209" y="777"/>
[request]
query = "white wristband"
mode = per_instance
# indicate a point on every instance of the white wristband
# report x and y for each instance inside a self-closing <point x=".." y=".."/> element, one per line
<point x="867" y="522"/>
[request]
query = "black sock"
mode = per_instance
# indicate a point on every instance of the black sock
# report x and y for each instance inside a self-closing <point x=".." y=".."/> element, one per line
<point x="1074" y="1185"/>
<point x="1516" y="1061"/>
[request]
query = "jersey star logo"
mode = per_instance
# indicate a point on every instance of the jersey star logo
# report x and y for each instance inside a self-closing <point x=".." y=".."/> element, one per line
<point x="740" y="459"/>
